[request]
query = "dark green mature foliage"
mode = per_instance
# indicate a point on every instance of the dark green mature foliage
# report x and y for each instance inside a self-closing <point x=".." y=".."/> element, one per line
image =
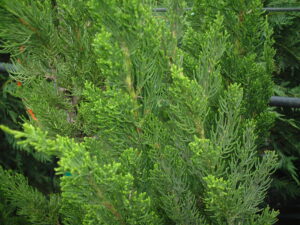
<point x="9" y="109"/>
<point x="285" y="133"/>
<point x="55" y="60"/>
<point x="150" y="118"/>
<point x="40" y="174"/>
<point x="286" y="33"/>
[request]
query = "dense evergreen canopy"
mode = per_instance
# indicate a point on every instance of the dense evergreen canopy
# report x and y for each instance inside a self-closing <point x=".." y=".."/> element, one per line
<point x="153" y="118"/>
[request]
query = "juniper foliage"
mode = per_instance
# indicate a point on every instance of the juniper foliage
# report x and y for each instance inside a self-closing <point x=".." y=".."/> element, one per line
<point x="12" y="157"/>
<point x="154" y="119"/>
<point x="285" y="134"/>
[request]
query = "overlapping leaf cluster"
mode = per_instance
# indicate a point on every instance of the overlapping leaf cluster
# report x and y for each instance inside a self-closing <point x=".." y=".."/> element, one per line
<point x="285" y="134"/>
<point x="154" y="119"/>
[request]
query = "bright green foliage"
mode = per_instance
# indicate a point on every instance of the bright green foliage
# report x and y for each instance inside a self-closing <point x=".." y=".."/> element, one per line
<point x="157" y="127"/>
<point x="247" y="58"/>
<point x="102" y="192"/>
